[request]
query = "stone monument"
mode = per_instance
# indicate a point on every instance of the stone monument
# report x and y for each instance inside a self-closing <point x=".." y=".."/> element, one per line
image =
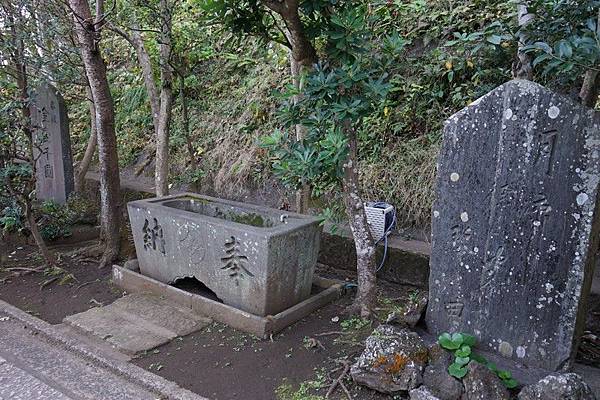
<point x="515" y="223"/>
<point x="52" y="145"/>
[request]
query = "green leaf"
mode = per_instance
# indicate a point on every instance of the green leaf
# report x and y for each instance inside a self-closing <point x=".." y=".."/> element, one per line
<point x="510" y="383"/>
<point x="445" y="340"/>
<point x="504" y="374"/>
<point x="479" y="359"/>
<point x="457" y="370"/>
<point x="464" y="351"/>
<point x="462" y="360"/>
<point x="495" y="39"/>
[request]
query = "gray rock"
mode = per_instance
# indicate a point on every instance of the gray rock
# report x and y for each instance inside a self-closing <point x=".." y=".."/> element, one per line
<point x="515" y="223"/>
<point x="411" y="315"/>
<point x="558" y="387"/>
<point x="54" y="161"/>
<point x="132" y="265"/>
<point x="393" y="360"/>
<point x="436" y="377"/>
<point x="482" y="384"/>
<point x="422" y="393"/>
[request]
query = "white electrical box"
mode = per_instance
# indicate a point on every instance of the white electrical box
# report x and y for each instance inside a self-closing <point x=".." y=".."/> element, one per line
<point x="376" y="218"/>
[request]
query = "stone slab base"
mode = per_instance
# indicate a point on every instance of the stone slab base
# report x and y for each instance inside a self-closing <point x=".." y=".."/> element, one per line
<point x="138" y="322"/>
<point x="262" y="327"/>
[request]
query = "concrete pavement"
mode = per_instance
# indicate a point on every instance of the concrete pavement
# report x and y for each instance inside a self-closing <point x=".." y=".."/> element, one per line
<point x="38" y="362"/>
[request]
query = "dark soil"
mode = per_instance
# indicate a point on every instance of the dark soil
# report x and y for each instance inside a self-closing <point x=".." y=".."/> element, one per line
<point x="220" y="362"/>
<point x="88" y="286"/>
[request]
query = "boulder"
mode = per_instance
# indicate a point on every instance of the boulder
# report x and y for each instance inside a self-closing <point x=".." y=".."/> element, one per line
<point x="558" y="387"/>
<point x="411" y="315"/>
<point x="422" y="393"/>
<point x="393" y="360"/>
<point x="482" y="384"/>
<point x="436" y="377"/>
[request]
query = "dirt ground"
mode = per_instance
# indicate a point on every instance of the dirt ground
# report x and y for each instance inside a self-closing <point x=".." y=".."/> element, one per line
<point x="219" y="362"/>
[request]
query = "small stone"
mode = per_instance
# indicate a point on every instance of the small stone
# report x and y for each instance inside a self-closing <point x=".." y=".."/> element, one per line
<point x="422" y="393"/>
<point x="482" y="384"/>
<point x="132" y="265"/>
<point x="436" y="377"/>
<point x="393" y="360"/>
<point x="558" y="387"/>
<point x="412" y="314"/>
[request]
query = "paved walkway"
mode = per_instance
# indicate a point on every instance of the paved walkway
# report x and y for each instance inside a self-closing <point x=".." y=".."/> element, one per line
<point x="38" y="362"/>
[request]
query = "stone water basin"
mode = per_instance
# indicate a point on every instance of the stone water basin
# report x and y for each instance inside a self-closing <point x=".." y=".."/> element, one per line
<point x="254" y="258"/>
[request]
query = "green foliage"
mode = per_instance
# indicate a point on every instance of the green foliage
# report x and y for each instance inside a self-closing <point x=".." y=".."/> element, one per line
<point x="564" y="38"/>
<point x="306" y="389"/>
<point x="11" y="218"/>
<point x="354" y="324"/>
<point x="56" y="220"/>
<point x="461" y="345"/>
<point x="337" y="96"/>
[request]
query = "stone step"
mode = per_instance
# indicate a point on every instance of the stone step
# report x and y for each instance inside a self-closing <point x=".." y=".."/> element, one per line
<point x="137" y="323"/>
<point x="38" y="362"/>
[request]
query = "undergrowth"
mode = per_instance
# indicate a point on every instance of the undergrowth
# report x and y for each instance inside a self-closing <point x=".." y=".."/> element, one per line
<point x="232" y="103"/>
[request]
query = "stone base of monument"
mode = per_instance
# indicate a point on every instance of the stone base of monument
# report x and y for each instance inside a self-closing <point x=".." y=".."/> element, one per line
<point x="324" y="292"/>
<point x="526" y="375"/>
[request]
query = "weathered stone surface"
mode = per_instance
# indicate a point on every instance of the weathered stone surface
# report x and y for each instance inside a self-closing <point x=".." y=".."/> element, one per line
<point x="436" y="377"/>
<point x="253" y="258"/>
<point x="558" y="387"/>
<point x="393" y="360"/>
<point x="482" y="384"/>
<point x="515" y="224"/>
<point x="54" y="162"/>
<point x="136" y="323"/>
<point x="411" y="314"/>
<point x="132" y="265"/>
<point x="422" y="393"/>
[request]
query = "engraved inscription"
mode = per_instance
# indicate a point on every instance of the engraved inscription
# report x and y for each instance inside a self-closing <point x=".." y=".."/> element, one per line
<point x="153" y="236"/>
<point x="460" y="237"/>
<point x="545" y="153"/>
<point x="454" y="309"/>
<point x="235" y="261"/>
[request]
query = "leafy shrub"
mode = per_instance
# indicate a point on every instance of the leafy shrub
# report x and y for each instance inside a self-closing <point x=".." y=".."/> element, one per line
<point x="461" y="345"/>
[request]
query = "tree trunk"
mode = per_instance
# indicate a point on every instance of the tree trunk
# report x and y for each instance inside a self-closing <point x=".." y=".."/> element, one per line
<point x="363" y="240"/>
<point x="110" y="193"/>
<point x="523" y="68"/>
<point x="302" y="194"/>
<point x="35" y="232"/>
<point x="589" y="89"/>
<point x="166" y="102"/>
<point x="302" y="49"/>
<point x="186" y="122"/>
<point x="90" y="150"/>
<point x="148" y="75"/>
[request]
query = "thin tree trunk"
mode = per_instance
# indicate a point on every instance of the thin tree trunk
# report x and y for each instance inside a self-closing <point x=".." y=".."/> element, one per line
<point x="186" y="122"/>
<point x="90" y="150"/>
<point x="590" y="88"/>
<point x="148" y="75"/>
<point x="523" y="67"/>
<point x="110" y="195"/>
<point x="302" y="194"/>
<point x="166" y="102"/>
<point x="35" y="232"/>
<point x="363" y="239"/>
